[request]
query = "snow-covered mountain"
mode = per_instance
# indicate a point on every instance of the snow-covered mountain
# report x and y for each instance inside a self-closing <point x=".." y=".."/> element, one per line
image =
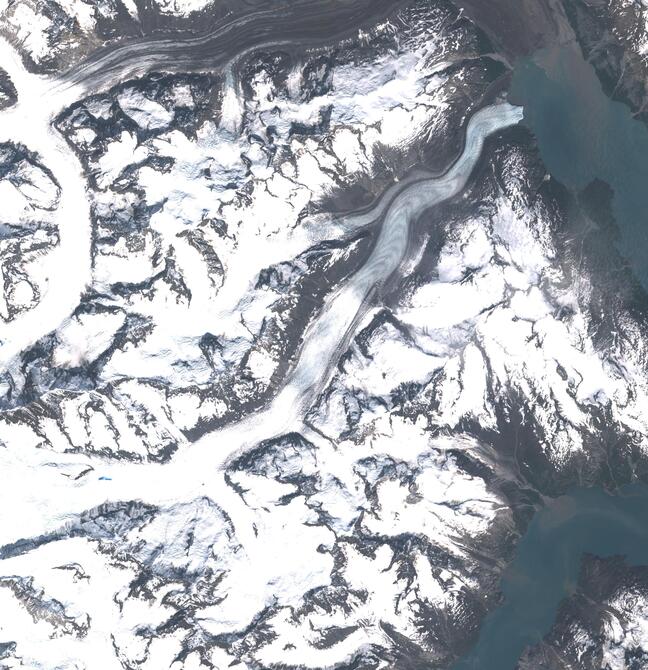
<point x="602" y="625"/>
<point x="296" y="331"/>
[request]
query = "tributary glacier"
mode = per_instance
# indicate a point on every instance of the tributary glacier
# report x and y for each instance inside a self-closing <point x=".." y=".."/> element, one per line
<point x="307" y="309"/>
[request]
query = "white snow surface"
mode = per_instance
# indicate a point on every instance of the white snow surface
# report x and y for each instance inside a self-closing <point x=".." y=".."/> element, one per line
<point x="621" y="633"/>
<point x="230" y="530"/>
<point x="182" y="7"/>
<point x="253" y="550"/>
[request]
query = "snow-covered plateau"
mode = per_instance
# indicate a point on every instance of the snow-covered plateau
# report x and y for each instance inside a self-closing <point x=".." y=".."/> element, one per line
<point x="295" y="334"/>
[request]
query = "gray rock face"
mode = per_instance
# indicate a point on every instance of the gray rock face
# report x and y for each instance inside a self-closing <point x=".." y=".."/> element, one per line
<point x="602" y="625"/>
<point x="297" y="332"/>
<point x="613" y="36"/>
<point x="8" y="95"/>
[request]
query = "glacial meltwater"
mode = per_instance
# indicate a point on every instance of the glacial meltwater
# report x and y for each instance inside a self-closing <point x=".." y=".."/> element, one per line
<point x="546" y="566"/>
<point x="582" y="135"/>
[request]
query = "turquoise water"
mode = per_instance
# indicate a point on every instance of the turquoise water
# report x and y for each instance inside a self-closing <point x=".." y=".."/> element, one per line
<point x="546" y="565"/>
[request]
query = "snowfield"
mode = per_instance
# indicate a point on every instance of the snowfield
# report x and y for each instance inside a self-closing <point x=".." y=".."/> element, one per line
<point x="290" y="346"/>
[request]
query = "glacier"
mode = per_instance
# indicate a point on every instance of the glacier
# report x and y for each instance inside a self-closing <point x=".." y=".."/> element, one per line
<point x="296" y="334"/>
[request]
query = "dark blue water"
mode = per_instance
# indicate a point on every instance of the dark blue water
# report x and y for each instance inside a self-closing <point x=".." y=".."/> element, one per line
<point x="583" y="135"/>
<point x="546" y="565"/>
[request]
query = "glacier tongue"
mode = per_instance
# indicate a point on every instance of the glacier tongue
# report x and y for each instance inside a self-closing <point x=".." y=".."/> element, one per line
<point x="292" y="338"/>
